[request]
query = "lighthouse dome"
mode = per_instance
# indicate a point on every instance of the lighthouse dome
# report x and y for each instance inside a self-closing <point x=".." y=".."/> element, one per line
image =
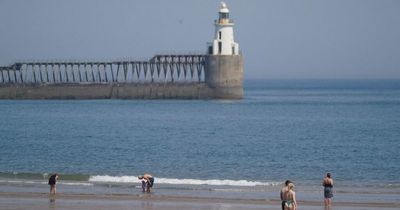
<point x="223" y="8"/>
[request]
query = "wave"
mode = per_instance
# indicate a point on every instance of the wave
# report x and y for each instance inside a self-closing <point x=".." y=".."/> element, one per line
<point x="45" y="182"/>
<point x="114" y="179"/>
<point x="42" y="176"/>
<point x="76" y="183"/>
<point x="174" y="181"/>
<point x="79" y="179"/>
<point x="92" y="180"/>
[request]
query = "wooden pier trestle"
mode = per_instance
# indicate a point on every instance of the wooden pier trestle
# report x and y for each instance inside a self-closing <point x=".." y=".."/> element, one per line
<point x="160" y="69"/>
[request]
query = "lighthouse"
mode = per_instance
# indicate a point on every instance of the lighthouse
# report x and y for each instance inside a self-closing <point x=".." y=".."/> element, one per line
<point x="224" y="61"/>
<point x="224" y="42"/>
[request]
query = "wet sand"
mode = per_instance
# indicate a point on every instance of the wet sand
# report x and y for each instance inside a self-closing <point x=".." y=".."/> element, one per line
<point x="40" y="201"/>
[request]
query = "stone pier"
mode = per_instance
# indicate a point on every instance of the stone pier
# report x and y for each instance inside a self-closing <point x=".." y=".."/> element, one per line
<point x="162" y="77"/>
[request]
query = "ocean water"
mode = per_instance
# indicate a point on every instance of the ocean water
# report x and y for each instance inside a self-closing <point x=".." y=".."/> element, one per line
<point x="282" y="129"/>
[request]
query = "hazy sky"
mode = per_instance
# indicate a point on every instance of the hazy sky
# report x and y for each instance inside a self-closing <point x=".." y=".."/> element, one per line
<point x="279" y="39"/>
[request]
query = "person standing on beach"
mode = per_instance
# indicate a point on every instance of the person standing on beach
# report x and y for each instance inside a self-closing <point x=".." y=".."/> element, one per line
<point x="328" y="191"/>
<point x="52" y="182"/>
<point x="284" y="190"/>
<point x="289" y="198"/>
<point x="147" y="182"/>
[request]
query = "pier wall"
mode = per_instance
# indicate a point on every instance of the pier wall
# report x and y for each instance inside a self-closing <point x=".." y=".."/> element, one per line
<point x="162" y="77"/>
<point x="107" y="91"/>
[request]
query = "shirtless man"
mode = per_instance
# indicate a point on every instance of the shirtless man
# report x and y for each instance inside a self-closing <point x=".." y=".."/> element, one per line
<point x="283" y="190"/>
<point x="147" y="182"/>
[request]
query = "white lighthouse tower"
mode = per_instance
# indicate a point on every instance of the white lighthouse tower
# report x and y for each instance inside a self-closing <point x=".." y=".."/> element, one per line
<point x="223" y="43"/>
<point x="224" y="62"/>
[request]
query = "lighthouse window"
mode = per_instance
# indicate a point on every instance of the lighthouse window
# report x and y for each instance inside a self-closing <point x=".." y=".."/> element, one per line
<point x="220" y="35"/>
<point x="219" y="47"/>
<point x="223" y="15"/>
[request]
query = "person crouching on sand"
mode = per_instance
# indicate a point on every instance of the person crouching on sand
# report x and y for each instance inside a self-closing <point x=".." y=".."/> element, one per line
<point x="147" y="182"/>
<point x="52" y="182"/>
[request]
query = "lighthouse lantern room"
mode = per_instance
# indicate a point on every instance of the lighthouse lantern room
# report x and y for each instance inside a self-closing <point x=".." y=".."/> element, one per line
<point x="223" y="43"/>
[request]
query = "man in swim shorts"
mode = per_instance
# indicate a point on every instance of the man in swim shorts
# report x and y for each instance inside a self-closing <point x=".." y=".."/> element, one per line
<point x="283" y="191"/>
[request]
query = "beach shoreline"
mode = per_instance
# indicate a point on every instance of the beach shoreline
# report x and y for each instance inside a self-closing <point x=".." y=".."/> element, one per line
<point x="33" y="194"/>
<point x="10" y="200"/>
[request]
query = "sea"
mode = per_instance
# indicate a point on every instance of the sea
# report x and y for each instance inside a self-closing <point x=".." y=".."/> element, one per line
<point x="282" y="129"/>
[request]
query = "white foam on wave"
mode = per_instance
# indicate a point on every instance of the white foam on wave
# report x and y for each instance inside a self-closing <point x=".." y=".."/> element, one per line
<point x="76" y="183"/>
<point x="20" y="182"/>
<point x="216" y="182"/>
<point x="116" y="179"/>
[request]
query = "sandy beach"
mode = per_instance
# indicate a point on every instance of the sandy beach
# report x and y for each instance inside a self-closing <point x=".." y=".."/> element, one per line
<point x="41" y="201"/>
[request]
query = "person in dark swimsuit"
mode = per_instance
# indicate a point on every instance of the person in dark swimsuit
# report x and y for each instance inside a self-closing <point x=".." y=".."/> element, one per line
<point x="52" y="182"/>
<point x="289" y="198"/>
<point x="328" y="189"/>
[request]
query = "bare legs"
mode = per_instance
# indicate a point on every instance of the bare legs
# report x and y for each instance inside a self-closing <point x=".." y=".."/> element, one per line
<point x="53" y="189"/>
<point x="144" y="186"/>
<point x="328" y="203"/>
